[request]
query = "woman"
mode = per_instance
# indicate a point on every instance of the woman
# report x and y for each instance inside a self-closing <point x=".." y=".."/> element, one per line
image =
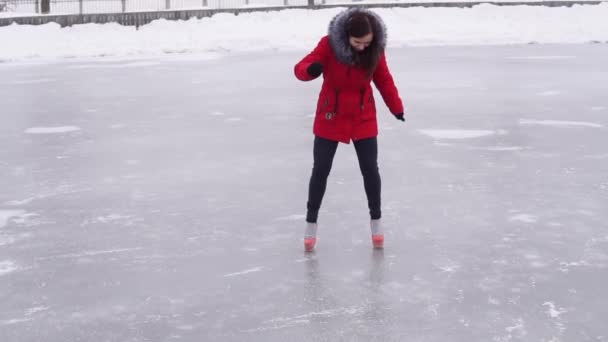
<point x="350" y="57"/>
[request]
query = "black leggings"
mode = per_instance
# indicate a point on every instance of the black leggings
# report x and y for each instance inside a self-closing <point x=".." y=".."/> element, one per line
<point x="323" y="154"/>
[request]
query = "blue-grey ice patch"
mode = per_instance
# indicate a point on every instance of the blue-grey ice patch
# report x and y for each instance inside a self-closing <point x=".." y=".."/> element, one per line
<point x="51" y="130"/>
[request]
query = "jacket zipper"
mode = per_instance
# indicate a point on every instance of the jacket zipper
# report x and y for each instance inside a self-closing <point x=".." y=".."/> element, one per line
<point x="361" y="95"/>
<point x="336" y="91"/>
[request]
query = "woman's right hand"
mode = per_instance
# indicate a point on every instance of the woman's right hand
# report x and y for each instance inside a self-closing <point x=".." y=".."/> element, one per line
<point x="314" y="69"/>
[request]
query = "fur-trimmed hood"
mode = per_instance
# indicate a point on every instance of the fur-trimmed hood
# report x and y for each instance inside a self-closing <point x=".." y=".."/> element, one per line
<point x="338" y="38"/>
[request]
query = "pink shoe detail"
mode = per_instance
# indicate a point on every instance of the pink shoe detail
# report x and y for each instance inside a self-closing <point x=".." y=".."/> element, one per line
<point x="309" y="244"/>
<point x="378" y="241"/>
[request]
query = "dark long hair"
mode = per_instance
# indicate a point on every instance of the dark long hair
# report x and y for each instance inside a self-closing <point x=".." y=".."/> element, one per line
<point x="359" y="25"/>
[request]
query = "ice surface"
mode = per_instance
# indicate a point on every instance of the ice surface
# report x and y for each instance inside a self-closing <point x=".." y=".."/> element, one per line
<point x="176" y="211"/>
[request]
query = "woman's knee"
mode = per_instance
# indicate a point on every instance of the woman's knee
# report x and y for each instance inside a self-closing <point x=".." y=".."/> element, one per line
<point x="321" y="170"/>
<point x="369" y="168"/>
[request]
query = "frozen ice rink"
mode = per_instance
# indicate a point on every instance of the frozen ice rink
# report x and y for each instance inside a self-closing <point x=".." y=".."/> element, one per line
<point x="163" y="199"/>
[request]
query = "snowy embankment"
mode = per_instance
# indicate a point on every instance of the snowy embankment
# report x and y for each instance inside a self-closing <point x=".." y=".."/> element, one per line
<point x="300" y="29"/>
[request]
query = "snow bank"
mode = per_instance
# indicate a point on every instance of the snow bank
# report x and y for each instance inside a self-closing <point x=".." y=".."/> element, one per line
<point x="300" y="29"/>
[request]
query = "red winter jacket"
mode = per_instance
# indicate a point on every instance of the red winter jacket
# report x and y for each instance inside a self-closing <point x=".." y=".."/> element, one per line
<point x="346" y="108"/>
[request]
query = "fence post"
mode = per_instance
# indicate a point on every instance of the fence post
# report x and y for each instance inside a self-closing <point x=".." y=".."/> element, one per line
<point x="205" y="3"/>
<point x="311" y="3"/>
<point x="124" y="5"/>
<point x="37" y="6"/>
<point x="45" y="6"/>
<point x="167" y="4"/>
<point x="285" y="2"/>
<point x="80" y="6"/>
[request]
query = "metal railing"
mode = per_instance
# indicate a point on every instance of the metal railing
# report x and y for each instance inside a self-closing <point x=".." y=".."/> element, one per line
<point x="122" y="6"/>
<point x="25" y="8"/>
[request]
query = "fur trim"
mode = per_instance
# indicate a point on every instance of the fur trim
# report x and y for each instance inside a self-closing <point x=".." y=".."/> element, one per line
<point x="338" y="39"/>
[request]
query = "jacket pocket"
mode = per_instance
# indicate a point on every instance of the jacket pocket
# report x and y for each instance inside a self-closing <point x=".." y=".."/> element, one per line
<point x="328" y="105"/>
<point x="368" y="108"/>
<point x="323" y="104"/>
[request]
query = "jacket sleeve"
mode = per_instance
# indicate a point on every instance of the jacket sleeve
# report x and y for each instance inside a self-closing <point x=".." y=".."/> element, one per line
<point x="384" y="82"/>
<point x="319" y="54"/>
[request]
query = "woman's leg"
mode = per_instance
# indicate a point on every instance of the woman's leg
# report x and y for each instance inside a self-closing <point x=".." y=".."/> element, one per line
<point x="324" y="151"/>
<point x="367" y="153"/>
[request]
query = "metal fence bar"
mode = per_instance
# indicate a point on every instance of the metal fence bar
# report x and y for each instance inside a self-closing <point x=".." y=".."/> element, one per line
<point x="182" y="9"/>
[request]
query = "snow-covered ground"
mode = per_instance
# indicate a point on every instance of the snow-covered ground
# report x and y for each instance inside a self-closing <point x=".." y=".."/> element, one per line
<point x="163" y="200"/>
<point x="300" y="30"/>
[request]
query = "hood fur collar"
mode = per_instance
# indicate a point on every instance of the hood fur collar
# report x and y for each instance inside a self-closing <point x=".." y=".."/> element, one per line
<point x="338" y="38"/>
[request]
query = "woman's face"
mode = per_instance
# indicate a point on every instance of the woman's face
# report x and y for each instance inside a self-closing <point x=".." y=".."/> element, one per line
<point x="361" y="43"/>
